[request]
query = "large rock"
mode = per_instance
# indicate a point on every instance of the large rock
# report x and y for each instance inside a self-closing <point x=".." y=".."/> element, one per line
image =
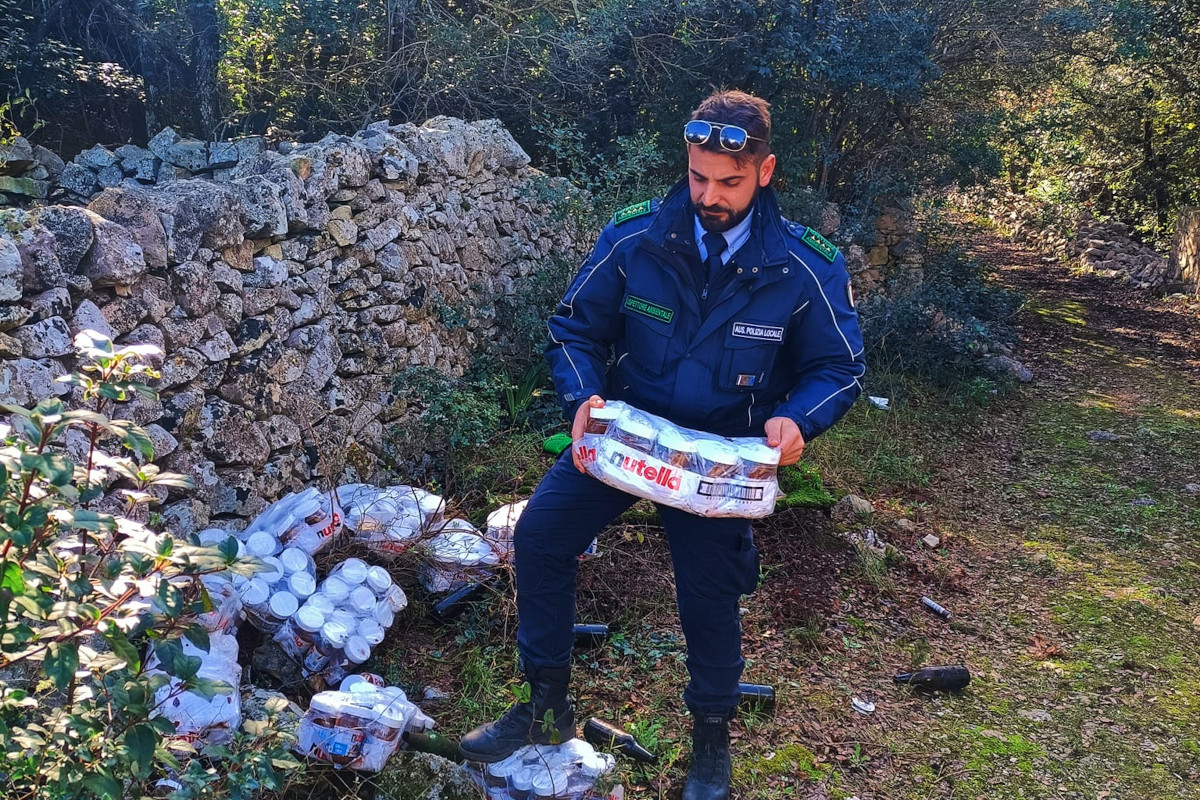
<point x="424" y="776"/>
<point x="78" y="180"/>
<point x="26" y="187"/>
<point x="194" y="288"/>
<point x="88" y="317"/>
<point x="46" y="339"/>
<point x="16" y="156"/>
<point x="189" y="154"/>
<point x="115" y="258"/>
<point x="24" y="381"/>
<point x="96" y="158"/>
<point x="10" y="271"/>
<point x="73" y="235"/>
<point x="266" y="214"/>
<point x="134" y="210"/>
<point x="199" y="214"/>
<point x="48" y="159"/>
<point x="41" y="268"/>
<point x="231" y="437"/>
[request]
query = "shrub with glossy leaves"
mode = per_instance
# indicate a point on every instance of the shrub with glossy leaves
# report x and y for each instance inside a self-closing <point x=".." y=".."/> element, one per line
<point x="87" y="591"/>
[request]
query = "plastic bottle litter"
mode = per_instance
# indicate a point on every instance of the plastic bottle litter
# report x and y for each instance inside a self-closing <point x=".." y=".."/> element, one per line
<point x="933" y="679"/>
<point x="757" y="696"/>
<point x="935" y="608"/>
<point x="602" y="733"/>
<point x="862" y="706"/>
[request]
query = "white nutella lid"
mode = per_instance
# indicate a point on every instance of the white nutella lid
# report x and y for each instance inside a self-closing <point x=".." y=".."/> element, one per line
<point x="274" y="570"/>
<point x="638" y="428"/>
<point x="378" y="579"/>
<point x="674" y="440"/>
<point x="344" y="617"/>
<point x="362" y="600"/>
<point x="370" y="630"/>
<point x="262" y="544"/>
<point x="255" y="592"/>
<point x="357" y="649"/>
<point x="283" y="605"/>
<point x="301" y="584"/>
<point x="608" y="413"/>
<point x="384" y="615"/>
<point x="717" y="452"/>
<point x="760" y="453"/>
<point x="321" y="603"/>
<point x="336" y="633"/>
<point x="335" y="589"/>
<point x="353" y="571"/>
<point x="309" y="619"/>
<point x="294" y="559"/>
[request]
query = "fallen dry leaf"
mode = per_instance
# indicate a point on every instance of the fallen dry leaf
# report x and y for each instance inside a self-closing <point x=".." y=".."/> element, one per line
<point x="1042" y="648"/>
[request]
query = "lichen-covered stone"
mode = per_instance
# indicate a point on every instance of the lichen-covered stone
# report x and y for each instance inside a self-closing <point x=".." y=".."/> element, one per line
<point x="73" y="235"/>
<point x="135" y="210"/>
<point x="115" y="258"/>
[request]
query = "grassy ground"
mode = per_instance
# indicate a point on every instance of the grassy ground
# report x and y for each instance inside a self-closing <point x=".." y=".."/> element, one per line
<point x="1069" y="553"/>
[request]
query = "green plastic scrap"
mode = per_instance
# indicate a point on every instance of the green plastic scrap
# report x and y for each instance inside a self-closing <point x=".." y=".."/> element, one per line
<point x="557" y="443"/>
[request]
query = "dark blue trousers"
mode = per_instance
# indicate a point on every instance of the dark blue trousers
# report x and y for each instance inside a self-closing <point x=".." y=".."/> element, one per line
<point x="715" y="562"/>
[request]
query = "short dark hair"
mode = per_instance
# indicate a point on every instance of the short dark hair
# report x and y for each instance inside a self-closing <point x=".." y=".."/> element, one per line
<point x="733" y="107"/>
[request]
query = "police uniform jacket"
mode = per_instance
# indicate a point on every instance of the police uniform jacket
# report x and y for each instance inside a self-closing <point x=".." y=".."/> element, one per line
<point x="776" y="334"/>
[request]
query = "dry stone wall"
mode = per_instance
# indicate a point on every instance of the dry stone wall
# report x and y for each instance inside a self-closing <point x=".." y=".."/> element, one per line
<point x="1185" y="250"/>
<point x="286" y="288"/>
<point x="1100" y="247"/>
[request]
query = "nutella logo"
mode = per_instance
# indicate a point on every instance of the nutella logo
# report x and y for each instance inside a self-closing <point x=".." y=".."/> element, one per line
<point x="327" y="531"/>
<point x="661" y="476"/>
<point x="586" y="454"/>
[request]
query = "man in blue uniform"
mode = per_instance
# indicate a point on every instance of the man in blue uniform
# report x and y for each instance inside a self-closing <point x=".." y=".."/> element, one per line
<point x="711" y="310"/>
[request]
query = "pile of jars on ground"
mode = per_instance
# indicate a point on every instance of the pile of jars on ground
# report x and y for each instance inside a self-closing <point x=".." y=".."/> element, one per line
<point x="329" y="628"/>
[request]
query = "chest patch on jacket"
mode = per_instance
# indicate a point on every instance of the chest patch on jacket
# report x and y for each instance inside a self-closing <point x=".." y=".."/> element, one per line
<point x="651" y="310"/>
<point x="764" y="333"/>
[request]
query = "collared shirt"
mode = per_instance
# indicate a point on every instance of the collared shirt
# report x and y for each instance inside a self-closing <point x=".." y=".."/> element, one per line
<point x="735" y="237"/>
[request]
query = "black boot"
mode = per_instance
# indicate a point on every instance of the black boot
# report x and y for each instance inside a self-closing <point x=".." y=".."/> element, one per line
<point x="708" y="777"/>
<point x="525" y="723"/>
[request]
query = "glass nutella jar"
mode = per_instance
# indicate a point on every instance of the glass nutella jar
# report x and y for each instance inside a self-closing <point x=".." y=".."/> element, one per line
<point x="716" y="459"/>
<point x="636" y="433"/>
<point x="759" y="462"/>
<point x="339" y="731"/>
<point x="600" y="419"/>
<point x="676" y="449"/>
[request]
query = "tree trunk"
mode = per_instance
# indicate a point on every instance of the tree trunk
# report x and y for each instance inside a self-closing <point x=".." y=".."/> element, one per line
<point x="206" y="51"/>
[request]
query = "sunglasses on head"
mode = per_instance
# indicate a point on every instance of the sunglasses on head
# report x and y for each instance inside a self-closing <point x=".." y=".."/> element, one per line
<point x="731" y="137"/>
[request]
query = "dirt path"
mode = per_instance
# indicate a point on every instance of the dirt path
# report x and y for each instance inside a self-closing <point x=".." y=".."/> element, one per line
<point x="1074" y="515"/>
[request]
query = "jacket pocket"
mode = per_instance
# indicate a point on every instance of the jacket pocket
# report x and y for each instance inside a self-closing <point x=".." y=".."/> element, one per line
<point x="746" y="362"/>
<point x="647" y="337"/>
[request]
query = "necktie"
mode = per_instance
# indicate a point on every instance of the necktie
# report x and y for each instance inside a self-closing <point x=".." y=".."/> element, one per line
<point x="715" y="244"/>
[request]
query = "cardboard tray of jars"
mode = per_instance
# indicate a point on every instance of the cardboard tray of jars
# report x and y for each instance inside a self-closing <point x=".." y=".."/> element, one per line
<point x="701" y="473"/>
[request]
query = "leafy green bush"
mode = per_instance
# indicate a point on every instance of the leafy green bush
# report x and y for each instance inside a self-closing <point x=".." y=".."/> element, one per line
<point x="939" y="327"/>
<point x="87" y="595"/>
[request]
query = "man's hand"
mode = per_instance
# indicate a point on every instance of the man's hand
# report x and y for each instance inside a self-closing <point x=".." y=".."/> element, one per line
<point x="581" y="418"/>
<point x="785" y="434"/>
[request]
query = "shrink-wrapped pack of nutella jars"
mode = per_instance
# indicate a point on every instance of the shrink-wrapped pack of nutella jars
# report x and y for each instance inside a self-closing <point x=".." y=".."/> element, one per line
<point x="697" y="472"/>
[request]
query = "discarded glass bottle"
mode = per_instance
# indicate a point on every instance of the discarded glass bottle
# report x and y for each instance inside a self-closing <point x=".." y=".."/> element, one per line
<point x="935" y="608"/>
<point x="602" y="733"/>
<point x="757" y="696"/>
<point x="457" y="601"/>
<point x="590" y="634"/>
<point x="934" y="679"/>
<point x="433" y="742"/>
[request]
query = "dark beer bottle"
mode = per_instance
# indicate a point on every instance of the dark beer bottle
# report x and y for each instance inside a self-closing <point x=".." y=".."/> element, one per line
<point x="604" y="734"/>
<point x="456" y="602"/>
<point x="433" y="742"/>
<point x="933" y="679"/>
<point x="590" y="634"/>
<point x="757" y="696"/>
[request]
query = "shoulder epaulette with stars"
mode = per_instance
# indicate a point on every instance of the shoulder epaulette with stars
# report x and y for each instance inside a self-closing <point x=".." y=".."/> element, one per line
<point x="811" y="237"/>
<point x="634" y="211"/>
